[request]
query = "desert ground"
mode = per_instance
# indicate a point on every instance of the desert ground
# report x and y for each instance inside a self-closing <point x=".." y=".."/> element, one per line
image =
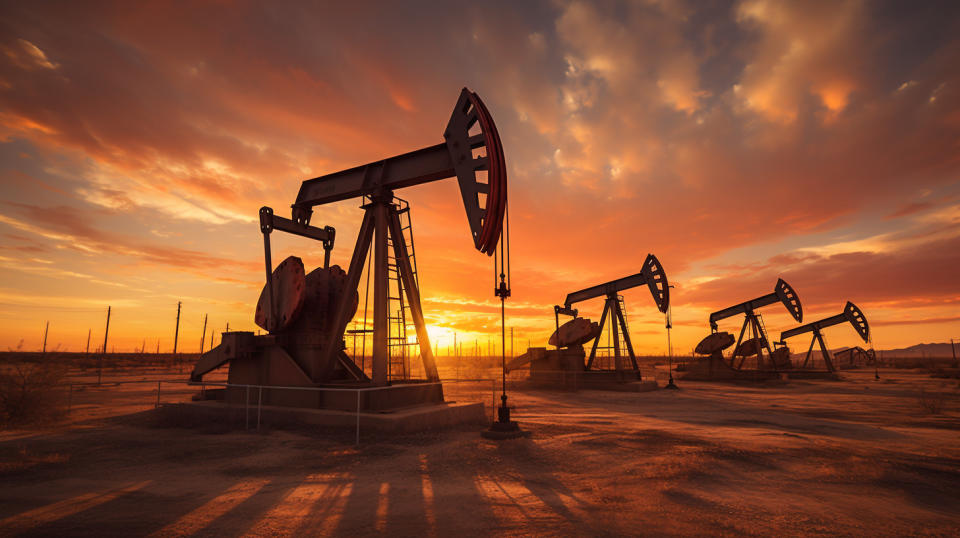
<point x="854" y="457"/>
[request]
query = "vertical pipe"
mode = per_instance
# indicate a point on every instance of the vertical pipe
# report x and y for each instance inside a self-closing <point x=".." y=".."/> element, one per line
<point x="358" y="418"/>
<point x="106" y="333"/>
<point x="176" y="331"/>
<point x="203" y="333"/>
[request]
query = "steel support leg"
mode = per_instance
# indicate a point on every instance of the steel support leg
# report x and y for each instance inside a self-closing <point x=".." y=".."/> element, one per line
<point x="593" y="349"/>
<point x="413" y="296"/>
<point x="810" y="350"/>
<point x="825" y="351"/>
<point x="380" y="295"/>
<point x="743" y="329"/>
<point x="331" y="349"/>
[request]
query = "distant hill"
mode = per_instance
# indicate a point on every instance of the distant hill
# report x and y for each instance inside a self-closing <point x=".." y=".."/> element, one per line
<point x="923" y="350"/>
<point x="918" y="351"/>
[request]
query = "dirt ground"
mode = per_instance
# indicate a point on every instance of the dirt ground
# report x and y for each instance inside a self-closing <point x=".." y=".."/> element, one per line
<point x="851" y="457"/>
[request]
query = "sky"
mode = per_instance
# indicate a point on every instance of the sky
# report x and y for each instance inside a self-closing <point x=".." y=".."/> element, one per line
<point x="740" y="142"/>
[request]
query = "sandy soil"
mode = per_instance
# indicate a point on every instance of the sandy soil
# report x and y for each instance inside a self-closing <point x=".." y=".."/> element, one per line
<point x="808" y="457"/>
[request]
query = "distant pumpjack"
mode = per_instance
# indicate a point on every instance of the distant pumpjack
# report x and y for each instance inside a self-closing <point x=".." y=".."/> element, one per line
<point x="652" y="275"/>
<point x="851" y="314"/>
<point x="783" y="293"/>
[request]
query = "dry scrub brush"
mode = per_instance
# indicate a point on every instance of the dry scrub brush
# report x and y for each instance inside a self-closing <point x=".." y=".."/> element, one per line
<point x="931" y="402"/>
<point x="31" y="393"/>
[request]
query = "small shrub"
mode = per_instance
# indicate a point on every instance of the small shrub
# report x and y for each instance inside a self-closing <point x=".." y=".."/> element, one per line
<point x="931" y="402"/>
<point x="31" y="393"/>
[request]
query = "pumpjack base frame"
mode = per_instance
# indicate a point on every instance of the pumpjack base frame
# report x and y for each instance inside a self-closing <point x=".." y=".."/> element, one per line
<point x="371" y="399"/>
<point x="810" y="374"/>
<point x="260" y="370"/>
<point x="564" y="369"/>
<point x="406" y="420"/>
<point x="718" y="369"/>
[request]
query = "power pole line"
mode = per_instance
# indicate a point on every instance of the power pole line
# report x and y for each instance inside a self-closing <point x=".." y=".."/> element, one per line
<point x="89" y="331"/>
<point x="106" y="332"/>
<point x="45" y="329"/>
<point x="176" y="332"/>
<point x="203" y="333"/>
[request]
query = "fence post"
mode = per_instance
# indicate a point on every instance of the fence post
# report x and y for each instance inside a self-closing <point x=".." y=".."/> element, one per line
<point x="158" y="394"/>
<point x="358" y="418"/>
<point x="259" y="405"/>
<point x="246" y="410"/>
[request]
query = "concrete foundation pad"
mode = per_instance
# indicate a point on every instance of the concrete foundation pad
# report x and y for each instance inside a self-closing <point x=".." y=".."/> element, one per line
<point x="710" y="369"/>
<point x="593" y="383"/>
<point x="406" y="420"/>
<point x="811" y="374"/>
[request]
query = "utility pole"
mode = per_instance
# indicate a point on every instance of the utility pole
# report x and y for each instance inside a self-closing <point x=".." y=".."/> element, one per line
<point x="47" y="328"/>
<point x="511" y="343"/>
<point x="106" y="332"/>
<point x="954" y="351"/>
<point x="176" y="332"/>
<point x="88" y="341"/>
<point x="203" y="333"/>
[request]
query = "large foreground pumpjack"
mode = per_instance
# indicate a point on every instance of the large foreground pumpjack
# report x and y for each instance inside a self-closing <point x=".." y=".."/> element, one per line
<point x="850" y="314"/>
<point x="306" y="315"/>
<point x="757" y="341"/>
<point x="547" y="367"/>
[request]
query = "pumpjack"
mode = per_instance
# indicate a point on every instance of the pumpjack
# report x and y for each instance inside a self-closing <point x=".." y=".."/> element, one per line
<point x="854" y="357"/>
<point x="565" y="364"/>
<point x="850" y="314"/>
<point x="758" y="342"/>
<point x="306" y="316"/>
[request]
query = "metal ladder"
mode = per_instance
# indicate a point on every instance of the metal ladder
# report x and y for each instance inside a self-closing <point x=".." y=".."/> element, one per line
<point x="398" y="345"/>
<point x="763" y="326"/>
<point x="626" y="327"/>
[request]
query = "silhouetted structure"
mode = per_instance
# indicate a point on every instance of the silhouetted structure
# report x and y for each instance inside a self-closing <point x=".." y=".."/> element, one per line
<point x="758" y="342"/>
<point x="306" y="314"/>
<point x="566" y="364"/>
<point x="850" y="314"/>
